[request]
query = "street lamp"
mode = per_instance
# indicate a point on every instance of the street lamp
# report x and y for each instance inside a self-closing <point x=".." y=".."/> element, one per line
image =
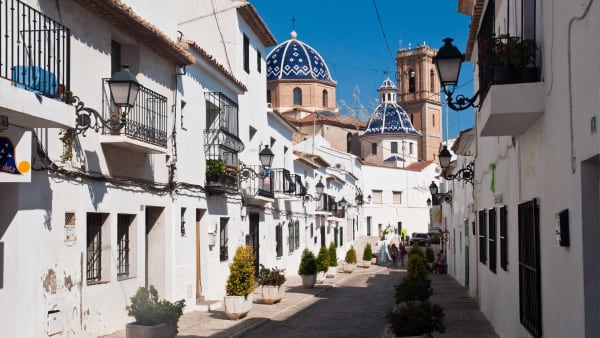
<point x="465" y="174"/>
<point x="369" y="199"/>
<point x="318" y="192"/>
<point x="266" y="157"/>
<point x="448" y="61"/>
<point x="342" y="203"/>
<point x="124" y="88"/>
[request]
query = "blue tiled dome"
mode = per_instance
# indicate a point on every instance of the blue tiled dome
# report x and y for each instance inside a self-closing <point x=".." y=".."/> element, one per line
<point x="389" y="117"/>
<point x="295" y="60"/>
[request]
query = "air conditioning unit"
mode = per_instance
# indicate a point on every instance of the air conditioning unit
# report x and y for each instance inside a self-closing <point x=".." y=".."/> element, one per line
<point x="339" y="166"/>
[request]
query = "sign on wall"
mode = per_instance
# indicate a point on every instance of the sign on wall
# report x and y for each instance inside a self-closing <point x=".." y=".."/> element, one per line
<point x="15" y="156"/>
<point x="436" y="216"/>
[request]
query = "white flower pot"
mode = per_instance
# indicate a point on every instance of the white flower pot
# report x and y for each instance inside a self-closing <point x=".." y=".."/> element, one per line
<point x="164" y="330"/>
<point x="366" y="264"/>
<point x="237" y="307"/>
<point x="331" y="272"/>
<point x="349" y="267"/>
<point x="308" y="281"/>
<point x="272" y="294"/>
<point x="320" y="276"/>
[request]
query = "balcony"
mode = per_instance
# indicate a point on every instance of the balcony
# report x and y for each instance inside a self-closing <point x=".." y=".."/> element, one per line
<point x="34" y="68"/>
<point x="510" y="90"/>
<point x="257" y="184"/>
<point x="326" y="206"/>
<point x="221" y="178"/>
<point x="146" y="126"/>
<point x="287" y="186"/>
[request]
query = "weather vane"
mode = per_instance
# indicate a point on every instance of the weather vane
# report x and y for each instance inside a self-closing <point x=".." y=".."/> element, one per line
<point x="293" y="23"/>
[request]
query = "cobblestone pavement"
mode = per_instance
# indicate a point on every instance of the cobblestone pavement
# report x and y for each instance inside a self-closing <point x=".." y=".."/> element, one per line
<point x="346" y="305"/>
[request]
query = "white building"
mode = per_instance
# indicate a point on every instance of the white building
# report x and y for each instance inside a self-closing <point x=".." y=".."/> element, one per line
<point x="537" y="195"/>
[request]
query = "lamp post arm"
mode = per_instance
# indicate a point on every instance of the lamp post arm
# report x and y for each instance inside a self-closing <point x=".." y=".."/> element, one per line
<point x="461" y="102"/>
<point x="86" y="118"/>
<point x="465" y="174"/>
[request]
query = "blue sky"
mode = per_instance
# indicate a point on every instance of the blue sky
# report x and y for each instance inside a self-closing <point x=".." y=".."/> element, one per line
<point x="348" y="36"/>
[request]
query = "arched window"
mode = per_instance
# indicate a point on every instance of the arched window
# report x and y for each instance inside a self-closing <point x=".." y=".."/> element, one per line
<point x="297" y="96"/>
<point x="411" y="81"/>
<point x="432" y="81"/>
<point x="349" y="143"/>
<point x="412" y="118"/>
<point x="268" y="96"/>
<point x="325" y="98"/>
<point x="389" y="97"/>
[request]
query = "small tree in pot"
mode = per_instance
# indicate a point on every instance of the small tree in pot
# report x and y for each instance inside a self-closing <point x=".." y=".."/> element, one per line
<point x="350" y="260"/>
<point x="367" y="255"/>
<point x="332" y="260"/>
<point x="416" y="318"/>
<point x="153" y="318"/>
<point x="240" y="283"/>
<point x="322" y="264"/>
<point x="271" y="281"/>
<point x="308" y="269"/>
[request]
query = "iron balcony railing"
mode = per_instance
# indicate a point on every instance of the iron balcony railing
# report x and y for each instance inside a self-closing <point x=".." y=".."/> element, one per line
<point x="284" y="182"/>
<point x="34" y="49"/>
<point x="327" y="203"/>
<point x="146" y="121"/>
<point x="260" y="183"/>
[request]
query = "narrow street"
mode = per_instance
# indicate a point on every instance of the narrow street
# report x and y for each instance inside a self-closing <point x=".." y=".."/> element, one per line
<point x="354" y="308"/>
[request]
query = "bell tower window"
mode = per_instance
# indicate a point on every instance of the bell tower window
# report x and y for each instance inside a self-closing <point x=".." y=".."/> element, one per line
<point x="411" y="81"/>
<point x="297" y="96"/>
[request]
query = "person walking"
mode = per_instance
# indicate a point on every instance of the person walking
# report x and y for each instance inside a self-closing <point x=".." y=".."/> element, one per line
<point x="394" y="252"/>
<point x="402" y="253"/>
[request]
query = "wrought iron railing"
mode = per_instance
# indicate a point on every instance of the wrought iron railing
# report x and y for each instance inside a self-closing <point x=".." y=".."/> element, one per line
<point x="258" y="181"/>
<point x="327" y="203"/>
<point x="34" y="49"/>
<point x="146" y="121"/>
<point x="285" y="182"/>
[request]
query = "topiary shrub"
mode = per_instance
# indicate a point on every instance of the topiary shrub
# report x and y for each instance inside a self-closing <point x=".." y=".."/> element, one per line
<point x="416" y="318"/>
<point x="367" y="253"/>
<point x="429" y="255"/>
<point x="415" y="250"/>
<point x="308" y="263"/>
<point x="351" y="256"/>
<point x="417" y="268"/>
<point x="148" y="310"/>
<point x="272" y="276"/>
<point x="412" y="290"/>
<point x="323" y="259"/>
<point x="241" y="273"/>
<point x="332" y="255"/>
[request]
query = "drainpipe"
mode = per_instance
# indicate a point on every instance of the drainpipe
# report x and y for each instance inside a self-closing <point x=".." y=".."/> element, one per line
<point x="571" y="129"/>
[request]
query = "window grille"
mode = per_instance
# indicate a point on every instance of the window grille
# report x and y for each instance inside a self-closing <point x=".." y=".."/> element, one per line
<point x="279" y="240"/>
<point x="503" y="239"/>
<point x="482" y="237"/>
<point x="530" y="298"/>
<point x="94" y="247"/>
<point x="223" y="239"/>
<point x="123" y="224"/>
<point x="492" y="238"/>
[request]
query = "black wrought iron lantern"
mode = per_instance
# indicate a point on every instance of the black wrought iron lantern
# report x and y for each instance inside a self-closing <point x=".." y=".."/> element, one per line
<point x="266" y="157"/>
<point x="124" y="88"/>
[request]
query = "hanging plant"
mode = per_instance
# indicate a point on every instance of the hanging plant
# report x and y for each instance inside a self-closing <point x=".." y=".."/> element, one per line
<point x="67" y="137"/>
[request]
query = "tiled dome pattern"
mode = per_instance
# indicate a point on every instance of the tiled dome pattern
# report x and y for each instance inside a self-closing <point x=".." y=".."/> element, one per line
<point x="390" y="118"/>
<point x="295" y="60"/>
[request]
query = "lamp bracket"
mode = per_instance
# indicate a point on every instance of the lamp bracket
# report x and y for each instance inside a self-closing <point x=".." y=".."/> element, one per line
<point x="465" y="174"/>
<point x="249" y="173"/>
<point x="461" y="102"/>
<point x="86" y="118"/>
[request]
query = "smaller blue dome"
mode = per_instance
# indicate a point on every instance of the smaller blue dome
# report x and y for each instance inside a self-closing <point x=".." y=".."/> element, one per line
<point x="390" y="118"/>
<point x="387" y="84"/>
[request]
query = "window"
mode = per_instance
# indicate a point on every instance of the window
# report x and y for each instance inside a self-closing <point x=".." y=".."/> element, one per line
<point x="369" y="225"/>
<point x="297" y="237"/>
<point x="482" y="237"/>
<point x="412" y="118"/>
<point x="269" y="96"/>
<point x="349" y="143"/>
<point x="115" y="57"/>
<point x="335" y="237"/>
<point x="297" y="96"/>
<point x="325" y="99"/>
<point x="223" y="239"/>
<point x="492" y="238"/>
<point x="374" y="148"/>
<point x="376" y="198"/>
<point x="279" y="240"/>
<point x="411" y="81"/>
<point x="294" y="235"/>
<point x="397" y="197"/>
<point x="530" y="297"/>
<point x="394" y="146"/>
<point x="98" y="261"/>
<point x="341" y="236"/>
<point x="246" y="54"/>
<point x="258" y="61"/>
<point x="410" y="148"/>
<point x="432" y="81"/>
<point x="503" y="239"/>
<point x="124" y="250"/>
<point x="433" y="120"/>
<point x="312" y="229"/>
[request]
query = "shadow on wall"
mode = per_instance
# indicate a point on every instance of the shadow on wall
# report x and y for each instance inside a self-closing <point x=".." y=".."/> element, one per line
<point x="96" y="191"/>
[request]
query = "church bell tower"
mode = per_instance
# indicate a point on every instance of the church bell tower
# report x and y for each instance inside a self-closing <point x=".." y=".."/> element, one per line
<point x="419" y="95"/>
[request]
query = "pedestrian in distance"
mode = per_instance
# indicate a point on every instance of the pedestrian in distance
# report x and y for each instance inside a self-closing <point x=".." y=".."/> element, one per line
<point x="394" y="252"/>
<point x="402" y="253"/>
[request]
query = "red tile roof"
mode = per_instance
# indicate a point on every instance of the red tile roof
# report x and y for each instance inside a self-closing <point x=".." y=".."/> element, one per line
<point x="211" y="59"/>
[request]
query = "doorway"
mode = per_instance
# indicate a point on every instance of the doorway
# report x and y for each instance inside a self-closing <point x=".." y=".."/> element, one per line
<point x="590" y="212"/>
<point x="199" y="296"/>
<point x="155" y="248"/>
<point x="254" y="221"/>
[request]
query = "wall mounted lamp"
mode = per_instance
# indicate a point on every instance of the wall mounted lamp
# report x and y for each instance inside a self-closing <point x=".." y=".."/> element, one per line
<point x="342" y="203"/>
<point x="369" y="198"/>
<point x="438" y="197"/>
<point x="448" y="61"/>
<point x="318" y="192"/>
<point x="265" y="157"/>
<point x="465" y="174"/>
<point x="124" y="89"/>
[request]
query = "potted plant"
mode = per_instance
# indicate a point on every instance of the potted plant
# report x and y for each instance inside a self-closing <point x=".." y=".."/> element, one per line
<point x="215" y="168"/>
<point x="308" y="269"/>
<point x="350" y="260"/>
<point x="332" y="270"/>
<point x="240" y="283"/>
<point x="515" y="58"/>
<point x="359" y="199"/>
<point x="153" y="317"/>
<point x="367" y="255"/>
<point x="416" y="319"/>
<point x="271" y="282"/>
<point x="322" y="264"/>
